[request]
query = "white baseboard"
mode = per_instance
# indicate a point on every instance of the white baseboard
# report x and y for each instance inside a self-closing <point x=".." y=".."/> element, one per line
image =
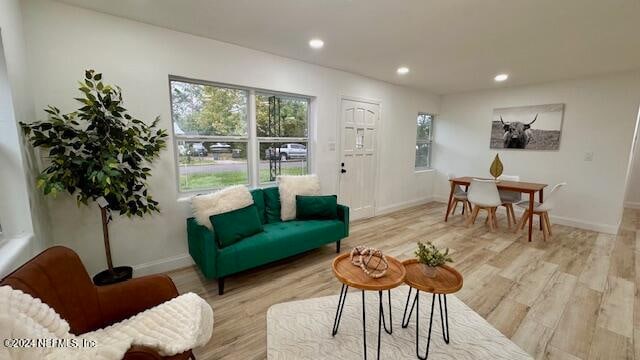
<point x="163" y="265"/>
<point x="632" y="204"/>
<point x="400" y="206"/>
<point x="577" y="223"/>
<point x="438" y="198"/>
<point x="602" y="228"/>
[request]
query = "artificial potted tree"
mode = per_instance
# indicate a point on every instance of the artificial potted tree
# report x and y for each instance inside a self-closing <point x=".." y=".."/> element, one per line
<point x="99" y="153"/>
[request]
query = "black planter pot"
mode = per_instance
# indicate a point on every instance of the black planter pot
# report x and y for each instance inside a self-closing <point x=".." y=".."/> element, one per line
<point x="119" y="274"/>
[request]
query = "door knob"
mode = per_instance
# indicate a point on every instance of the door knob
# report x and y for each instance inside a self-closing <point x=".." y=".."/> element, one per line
<point x="343" y="171"/>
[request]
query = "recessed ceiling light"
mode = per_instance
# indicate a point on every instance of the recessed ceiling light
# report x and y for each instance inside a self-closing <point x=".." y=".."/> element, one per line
<point x="316" y="43"/>
<point x="501" y="77"/>
<point x="403" y="70"/>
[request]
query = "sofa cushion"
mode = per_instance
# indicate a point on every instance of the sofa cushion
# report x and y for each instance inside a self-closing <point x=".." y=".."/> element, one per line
<point x="292" y="185"/>
<point x="277" y="241"/>
<point x="236" y="225"/>
<point x="221" y="201"/>
<point x="258" y="201"/>
<point x="316" y="207"/>
<point x="272" y="204"/>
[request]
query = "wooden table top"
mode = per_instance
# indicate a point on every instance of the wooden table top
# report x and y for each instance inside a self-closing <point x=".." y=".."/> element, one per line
<point x="447" y="280"/>
<point x="353" y="276"/>
<point x="520" y="186"/>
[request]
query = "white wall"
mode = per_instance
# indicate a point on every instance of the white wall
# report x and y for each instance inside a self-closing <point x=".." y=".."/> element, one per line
<point x="600" y="116"/>
<point x="64" y="40"/>
<point x="20" y="214"/>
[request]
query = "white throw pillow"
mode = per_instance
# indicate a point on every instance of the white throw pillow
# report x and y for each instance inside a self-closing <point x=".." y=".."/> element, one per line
<point x="221" y="201"/>
<point x="290" y="186"/>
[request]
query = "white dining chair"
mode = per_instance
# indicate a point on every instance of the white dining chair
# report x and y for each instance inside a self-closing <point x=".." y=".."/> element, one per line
<point x="460" y="196"/>
<point x="509" y="198"/>
<point x="483" y="194"/>
<point x="542" y="210"/>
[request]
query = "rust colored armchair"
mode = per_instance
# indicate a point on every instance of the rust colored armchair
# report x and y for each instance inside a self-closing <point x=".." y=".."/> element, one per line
<point x="57" y="277"/>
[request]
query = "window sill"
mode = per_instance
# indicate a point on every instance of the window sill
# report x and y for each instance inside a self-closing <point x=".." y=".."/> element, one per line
<point x="423" y="170"/>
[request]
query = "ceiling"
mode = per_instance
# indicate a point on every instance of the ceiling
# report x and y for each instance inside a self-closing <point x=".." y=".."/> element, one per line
<point x="449" y="45"/>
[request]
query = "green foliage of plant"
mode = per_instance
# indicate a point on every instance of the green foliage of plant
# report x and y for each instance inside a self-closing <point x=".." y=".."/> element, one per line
<point x="430" y="255"/>
<point x="98" y="150"/>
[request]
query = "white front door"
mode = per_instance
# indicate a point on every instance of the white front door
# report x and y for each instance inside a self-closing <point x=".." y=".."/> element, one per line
<point x="358" y="160"/>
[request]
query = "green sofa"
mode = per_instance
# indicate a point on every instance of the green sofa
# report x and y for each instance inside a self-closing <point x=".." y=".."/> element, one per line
<point x="278" y="240"/>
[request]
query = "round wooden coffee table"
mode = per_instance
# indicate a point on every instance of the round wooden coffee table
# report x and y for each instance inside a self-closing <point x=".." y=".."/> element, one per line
<point x="446" y="280"/>
<point x="353" y="276"/>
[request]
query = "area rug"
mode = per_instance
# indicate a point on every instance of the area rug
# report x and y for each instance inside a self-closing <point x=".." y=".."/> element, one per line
<point x="302" y="330"/>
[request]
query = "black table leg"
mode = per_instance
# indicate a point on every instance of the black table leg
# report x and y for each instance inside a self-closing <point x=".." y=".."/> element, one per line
<point x="384" y="320"/>
<point x="341" y="300"/>
<point x="444" y="319"/>
<point x="364" y="329"/>
<point x="445" y="333"/>
<point x="406" y="318"/>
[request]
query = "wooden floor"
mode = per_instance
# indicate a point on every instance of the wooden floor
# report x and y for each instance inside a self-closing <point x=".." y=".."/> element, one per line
<point x="572" y="297"/>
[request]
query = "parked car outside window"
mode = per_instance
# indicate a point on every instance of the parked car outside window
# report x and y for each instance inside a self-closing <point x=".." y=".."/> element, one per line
<point x="286" y="152"/>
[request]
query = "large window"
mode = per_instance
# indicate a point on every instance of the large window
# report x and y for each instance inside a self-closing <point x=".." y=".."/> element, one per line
<point x="229" y="136"/>
<point x="423" y="141"/>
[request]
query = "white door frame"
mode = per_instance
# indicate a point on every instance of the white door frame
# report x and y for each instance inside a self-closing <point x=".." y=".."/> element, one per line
<point x="340" y="128"/>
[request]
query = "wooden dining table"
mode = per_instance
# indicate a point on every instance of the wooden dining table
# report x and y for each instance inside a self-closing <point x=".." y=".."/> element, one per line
<point x="516" y="186"/>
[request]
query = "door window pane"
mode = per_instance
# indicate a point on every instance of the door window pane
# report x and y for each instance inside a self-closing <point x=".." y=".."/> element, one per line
<point x="210" y="165"/>
<point x="280" y="158"/>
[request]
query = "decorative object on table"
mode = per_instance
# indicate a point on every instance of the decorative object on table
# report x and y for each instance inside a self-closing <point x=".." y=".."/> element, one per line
<point x="371" y="260"/>
<point x="432" y="257"/>
<point x="292" y="185"/>
<point x="222" y="201"/>
<point x="496" y="168"/>
<point x="100" y="153"/>
<point x="298" y="330"/>
<point x="527" y="127"/>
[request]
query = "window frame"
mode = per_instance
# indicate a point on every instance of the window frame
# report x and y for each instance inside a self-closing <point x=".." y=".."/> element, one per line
<point x="251" y="139"/>
<point x="422" y="141"/>
<point x="267" y="139"/>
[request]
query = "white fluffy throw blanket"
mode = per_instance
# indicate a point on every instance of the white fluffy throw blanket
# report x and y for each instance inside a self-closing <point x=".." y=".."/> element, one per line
<point x="31" y="329"/>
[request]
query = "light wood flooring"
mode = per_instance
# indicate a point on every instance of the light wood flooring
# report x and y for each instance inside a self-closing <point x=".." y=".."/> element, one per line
<point x="572" y="297"/>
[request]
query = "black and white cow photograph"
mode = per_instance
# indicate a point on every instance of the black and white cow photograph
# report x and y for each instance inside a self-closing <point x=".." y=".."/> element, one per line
<point x="535" y="127"/>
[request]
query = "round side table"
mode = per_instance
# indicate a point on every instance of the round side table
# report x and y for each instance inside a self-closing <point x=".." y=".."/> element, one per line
<point x="446" y="280"/>
<point x="353" y="276"/>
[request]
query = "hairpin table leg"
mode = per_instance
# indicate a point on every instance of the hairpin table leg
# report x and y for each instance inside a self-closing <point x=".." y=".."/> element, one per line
<point x="341" y="300"/>
<point x="406" y="318"/>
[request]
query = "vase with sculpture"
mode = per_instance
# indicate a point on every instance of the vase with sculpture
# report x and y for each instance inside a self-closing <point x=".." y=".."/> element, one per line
<point x="496" y="168"/>
<point x="431" y="257"/>
<point x="371" y="260"/>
